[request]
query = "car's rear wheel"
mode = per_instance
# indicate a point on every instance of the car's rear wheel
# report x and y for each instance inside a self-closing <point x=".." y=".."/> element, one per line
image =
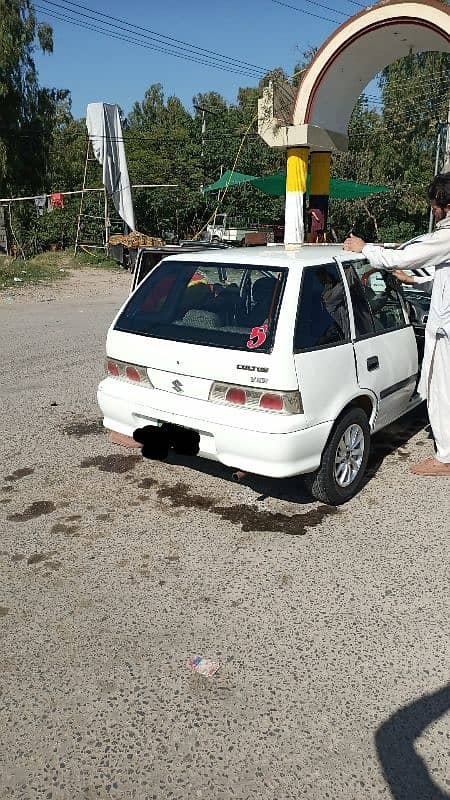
<point x="344" y="460"/>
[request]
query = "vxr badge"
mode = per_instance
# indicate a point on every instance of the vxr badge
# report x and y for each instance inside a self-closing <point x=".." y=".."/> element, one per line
<point x="177" y="385"/>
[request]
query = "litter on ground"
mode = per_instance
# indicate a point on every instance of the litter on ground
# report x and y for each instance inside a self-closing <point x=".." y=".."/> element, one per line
<point x="203" y="666"/>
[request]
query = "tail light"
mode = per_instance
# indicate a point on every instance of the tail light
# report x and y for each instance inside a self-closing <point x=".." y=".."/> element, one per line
<point x="256" y="399"/>
<point x="112" y="369"/>
<point x="127" y="372"/>
<point x="236" y="396"/>
<point x="271" y="401"/>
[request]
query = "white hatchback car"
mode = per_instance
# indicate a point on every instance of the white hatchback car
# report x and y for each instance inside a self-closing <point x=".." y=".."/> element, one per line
<point x="270" y="361"/>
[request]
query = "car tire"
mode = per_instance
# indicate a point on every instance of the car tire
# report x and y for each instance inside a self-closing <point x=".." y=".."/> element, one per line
<point x="344" y="460"/>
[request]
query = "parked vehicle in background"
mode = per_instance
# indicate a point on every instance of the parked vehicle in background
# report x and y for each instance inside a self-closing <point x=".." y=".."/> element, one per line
<point x="223" y="230"/>
<point x="270" y="361"/>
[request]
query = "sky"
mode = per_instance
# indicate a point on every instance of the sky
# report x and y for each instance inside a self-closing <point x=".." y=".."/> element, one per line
<point x="97" y="68"/>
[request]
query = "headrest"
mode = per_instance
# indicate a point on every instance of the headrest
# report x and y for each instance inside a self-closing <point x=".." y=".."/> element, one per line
<point x="263" y="289"/>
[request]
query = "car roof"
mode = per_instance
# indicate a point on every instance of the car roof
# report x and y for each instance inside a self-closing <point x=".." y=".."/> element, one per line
<point x="182" y="247"/>
<point x="269" y="256"/>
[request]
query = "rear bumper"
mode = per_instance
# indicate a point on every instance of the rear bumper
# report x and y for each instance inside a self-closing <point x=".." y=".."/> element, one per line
<point x="278" y="452"/>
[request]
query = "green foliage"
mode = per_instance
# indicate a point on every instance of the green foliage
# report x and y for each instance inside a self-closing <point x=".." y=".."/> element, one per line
<point x="43" y="148"/>
<point x="22" y="104"/>
<point x="15" y="273"/>
<point x="96" y="260"/>
<point x="395" y="147"/>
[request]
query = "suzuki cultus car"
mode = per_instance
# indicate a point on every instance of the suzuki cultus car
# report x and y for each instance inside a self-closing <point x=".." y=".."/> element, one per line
<point x="270" y="361"/>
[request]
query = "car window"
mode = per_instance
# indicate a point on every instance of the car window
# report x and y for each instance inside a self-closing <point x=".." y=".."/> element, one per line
<point x="148" y="261"/>
<point x="375" y="298"/>
<point x="222" y="305"/>
<point x="364" y="323"/>
<point x="382" y="296"/>
<point x="322" y="319"/>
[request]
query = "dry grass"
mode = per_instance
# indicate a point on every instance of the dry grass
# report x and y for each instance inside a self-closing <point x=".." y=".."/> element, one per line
<point x="48" y="267"/>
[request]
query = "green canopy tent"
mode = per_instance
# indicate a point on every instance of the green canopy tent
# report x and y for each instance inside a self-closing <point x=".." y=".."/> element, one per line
<point x="275" y="185"/>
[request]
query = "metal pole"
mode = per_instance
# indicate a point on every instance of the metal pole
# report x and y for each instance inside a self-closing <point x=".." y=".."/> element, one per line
<point x="203" y="111"/>
<point x="203" y="145"/>
<point x="446" y="167"/>
<point x="80" y="212"/>
<point x="107" y="223"/>
<point x="203" y="131"/>
<point x="436" y="170"/>
<point x="99" y="189"/>
<point x="221" y="173"/>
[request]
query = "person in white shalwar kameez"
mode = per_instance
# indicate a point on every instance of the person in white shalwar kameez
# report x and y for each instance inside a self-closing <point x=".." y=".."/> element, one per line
<point x="429" y="250"/>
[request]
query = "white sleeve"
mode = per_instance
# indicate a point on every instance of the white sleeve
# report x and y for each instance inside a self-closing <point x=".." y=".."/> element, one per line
<point x="430" y="249"/>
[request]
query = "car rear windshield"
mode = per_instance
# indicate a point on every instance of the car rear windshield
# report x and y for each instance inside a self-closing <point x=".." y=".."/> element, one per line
<point x="221" y="305"/>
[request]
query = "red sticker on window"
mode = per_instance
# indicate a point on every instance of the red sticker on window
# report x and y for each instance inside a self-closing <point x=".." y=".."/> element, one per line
<point x="258" y="336"/>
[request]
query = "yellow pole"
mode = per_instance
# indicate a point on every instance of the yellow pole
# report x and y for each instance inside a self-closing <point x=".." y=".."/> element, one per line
<point x="319" y="191"/>
<point x="296" y="173"/>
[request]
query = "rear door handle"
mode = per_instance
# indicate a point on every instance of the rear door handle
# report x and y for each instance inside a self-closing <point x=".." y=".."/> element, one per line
<point x="373" y="363"/>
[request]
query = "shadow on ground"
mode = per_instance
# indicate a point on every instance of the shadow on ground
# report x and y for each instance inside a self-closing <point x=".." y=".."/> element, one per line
<point x="395" y="438"/>
<point x="404" y="770"/>
<point x="392" y="439"/>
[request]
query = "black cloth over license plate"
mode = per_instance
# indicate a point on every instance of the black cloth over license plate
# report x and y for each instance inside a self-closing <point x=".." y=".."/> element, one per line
<point x="157" y="440"/>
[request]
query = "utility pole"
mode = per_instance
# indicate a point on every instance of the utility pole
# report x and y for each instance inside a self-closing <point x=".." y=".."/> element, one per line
<point x="440" y="131"/>
<point x="203" y="112"/>
<point x="443" y="137"/>
<point x="447" y="143"/>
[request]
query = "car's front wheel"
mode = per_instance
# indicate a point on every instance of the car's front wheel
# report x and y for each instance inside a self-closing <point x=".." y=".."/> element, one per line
<point x="344" y="460"/>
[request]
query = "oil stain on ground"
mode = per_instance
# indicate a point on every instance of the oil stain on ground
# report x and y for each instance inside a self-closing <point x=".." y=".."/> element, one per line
<point x="36" y="558"/>
<point x="250" y="518"/>
<point x="147" y="483"/>
<point x="3" y="611"/>
<point x="35" y="510"/>
<point x="82" y="428"/>
<point x="66" y="530"/>
<point x="112" y="463"/>
<point x="19" y="473"/>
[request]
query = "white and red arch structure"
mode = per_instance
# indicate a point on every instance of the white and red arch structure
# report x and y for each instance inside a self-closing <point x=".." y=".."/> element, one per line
<point x="314" y="120"/>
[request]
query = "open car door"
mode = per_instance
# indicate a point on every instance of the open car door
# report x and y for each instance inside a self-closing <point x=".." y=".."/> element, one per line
<point x="384" y="342"/>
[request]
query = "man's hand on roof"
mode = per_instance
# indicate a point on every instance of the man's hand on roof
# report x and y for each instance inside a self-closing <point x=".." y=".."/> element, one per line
<point x="354" y="244"/>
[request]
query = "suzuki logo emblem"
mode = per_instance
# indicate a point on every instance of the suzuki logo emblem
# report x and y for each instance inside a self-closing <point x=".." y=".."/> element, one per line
<point x="177" y="385"/>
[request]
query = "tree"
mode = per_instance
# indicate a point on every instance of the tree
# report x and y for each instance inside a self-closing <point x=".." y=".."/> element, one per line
<point x="395" y="146"/>
<point x="20" y="98"/>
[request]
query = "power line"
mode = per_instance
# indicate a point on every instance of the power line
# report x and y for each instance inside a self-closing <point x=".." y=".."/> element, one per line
<point x="310" y="13"/>
<point x="399" y="87"/>
<point x="127" y="39"/>
<point x="313" y="3"/>
<point x="155" y="33"/>
<point x="128" y="136"/>
<point x="382" y="103"/>
<point x="146" y="33"/>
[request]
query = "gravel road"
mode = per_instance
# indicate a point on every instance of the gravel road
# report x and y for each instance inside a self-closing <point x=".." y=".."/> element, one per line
<point x="331" y="626"/>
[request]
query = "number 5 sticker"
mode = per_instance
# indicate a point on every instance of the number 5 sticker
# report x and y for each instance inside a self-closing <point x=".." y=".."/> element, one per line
<point x="257" y="337"/>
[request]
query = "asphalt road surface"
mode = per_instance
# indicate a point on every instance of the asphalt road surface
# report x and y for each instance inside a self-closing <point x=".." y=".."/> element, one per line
<point x="331" y="626"/>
